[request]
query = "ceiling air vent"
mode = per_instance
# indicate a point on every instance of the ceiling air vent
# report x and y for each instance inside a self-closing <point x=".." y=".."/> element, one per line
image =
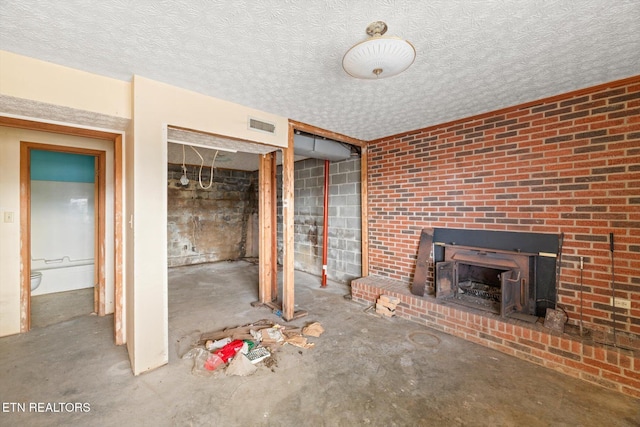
<point x="262" y="126"/>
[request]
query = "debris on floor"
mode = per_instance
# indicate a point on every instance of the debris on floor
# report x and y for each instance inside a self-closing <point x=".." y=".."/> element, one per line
<point x="270" y="335"/>
<point x="241" y="366"/>
<point x="297" y="340"/>
<point x="315" y="329"/>
<point x="237" y="333"/>
<point x="214" y="345"/>
<point x="386" y="305"/>
<point x="238" y="350"/>
<point x="258" y="354"/>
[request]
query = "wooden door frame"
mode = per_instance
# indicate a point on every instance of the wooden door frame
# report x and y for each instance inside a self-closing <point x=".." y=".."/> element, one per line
<point x="25" y="224"/>
<point x="117" y="140"/>
<point x="288" y="287"/>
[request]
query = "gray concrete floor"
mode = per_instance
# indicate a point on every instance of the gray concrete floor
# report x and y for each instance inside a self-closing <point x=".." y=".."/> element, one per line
<point x="364" y="370"/>
<point x="50" y="309"/>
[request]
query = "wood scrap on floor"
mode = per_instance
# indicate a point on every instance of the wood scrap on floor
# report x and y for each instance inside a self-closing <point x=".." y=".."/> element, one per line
<point x="386" y="305"/>
<point x="237" y="333"/>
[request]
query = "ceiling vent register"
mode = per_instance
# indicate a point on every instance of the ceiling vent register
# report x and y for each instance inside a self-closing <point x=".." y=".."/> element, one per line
<point x="262" y="126"/>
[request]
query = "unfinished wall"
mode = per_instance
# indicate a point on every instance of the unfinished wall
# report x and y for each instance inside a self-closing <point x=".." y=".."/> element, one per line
<point x="344" y="251"/>
<point x="308" y="216"/>
<point x="345" y="245"/>
<point x="213" y="224"/>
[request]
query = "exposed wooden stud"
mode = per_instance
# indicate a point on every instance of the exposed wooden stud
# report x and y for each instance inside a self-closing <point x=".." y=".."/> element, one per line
<point x="101" y="216"/>
<point x="288" y="218"/>
<point x="274" y="229"/>
<point x="364" y="211"/>
<point x="25" y="239"/>
<point x="288" y="302"/>
<point x="326" y="133"/>
<point x="265" y="256"/>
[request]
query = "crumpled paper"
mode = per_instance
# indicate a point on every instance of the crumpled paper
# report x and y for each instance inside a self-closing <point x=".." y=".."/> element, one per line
<point x="314" y="329"/>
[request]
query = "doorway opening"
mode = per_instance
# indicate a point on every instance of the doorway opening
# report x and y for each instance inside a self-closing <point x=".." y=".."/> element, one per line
<point x="63" y="235"/>
<point x="64" y="207"/>
<point x="213" y="223"/>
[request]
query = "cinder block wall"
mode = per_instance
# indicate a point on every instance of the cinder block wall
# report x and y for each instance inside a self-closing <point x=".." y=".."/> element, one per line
<point x="345" y="250"/>
<point x="567" y="164"/>
<point x="209" y="225"/>
<point x="345" y="245"/>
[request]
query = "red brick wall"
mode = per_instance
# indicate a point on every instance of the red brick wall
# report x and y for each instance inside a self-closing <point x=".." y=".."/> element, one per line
<point x="567" y="164"/>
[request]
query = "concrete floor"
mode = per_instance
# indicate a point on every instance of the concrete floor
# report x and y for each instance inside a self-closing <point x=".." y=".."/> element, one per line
<point x="50" y="309"/>
<point x="364" y="370"/>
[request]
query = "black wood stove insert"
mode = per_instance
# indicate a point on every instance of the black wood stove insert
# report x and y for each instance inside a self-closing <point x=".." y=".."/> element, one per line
<point x="489" y="280"/>
<point x="505" y="273"/>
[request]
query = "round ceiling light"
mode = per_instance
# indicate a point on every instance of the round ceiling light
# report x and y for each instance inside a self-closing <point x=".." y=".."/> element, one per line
<point x="379" y="56"/>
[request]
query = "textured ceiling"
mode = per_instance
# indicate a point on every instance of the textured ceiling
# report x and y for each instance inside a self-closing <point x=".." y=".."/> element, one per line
<point x="284" y="56"/>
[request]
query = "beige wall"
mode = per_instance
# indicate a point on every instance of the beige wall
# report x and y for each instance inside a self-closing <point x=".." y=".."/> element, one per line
<point x="9" y="237"/>
<point x="41" y="81"/>
<point x="10" y="139"/>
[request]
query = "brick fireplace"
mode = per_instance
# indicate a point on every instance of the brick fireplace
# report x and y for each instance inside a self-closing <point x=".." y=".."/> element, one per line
<point x="564" y="165"/>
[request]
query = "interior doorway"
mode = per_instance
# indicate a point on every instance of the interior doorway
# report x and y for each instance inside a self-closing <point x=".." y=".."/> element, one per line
<point x="60" y="205"/>
<point x="113" y="142"/>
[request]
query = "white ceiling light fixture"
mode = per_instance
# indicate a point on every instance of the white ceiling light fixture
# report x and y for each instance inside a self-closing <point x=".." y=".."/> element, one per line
<point x="379" y="56"/>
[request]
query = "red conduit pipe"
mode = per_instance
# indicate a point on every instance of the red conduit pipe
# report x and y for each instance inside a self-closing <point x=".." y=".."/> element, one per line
<point x="325" y="224"/>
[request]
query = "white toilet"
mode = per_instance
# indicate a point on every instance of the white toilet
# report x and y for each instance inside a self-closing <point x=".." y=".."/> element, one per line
<point x="36" y="278"/>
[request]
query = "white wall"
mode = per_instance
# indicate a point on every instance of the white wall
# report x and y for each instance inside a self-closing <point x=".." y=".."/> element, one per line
<point x="10" y="232"/>
<point x="62" y="235"/>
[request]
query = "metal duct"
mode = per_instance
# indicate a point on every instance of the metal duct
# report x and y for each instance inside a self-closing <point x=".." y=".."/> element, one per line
<point x="317" y="148"/>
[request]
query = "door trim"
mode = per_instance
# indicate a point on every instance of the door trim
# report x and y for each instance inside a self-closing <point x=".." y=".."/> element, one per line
<point x="25" y="225"/>
<point x="117" y="138"/>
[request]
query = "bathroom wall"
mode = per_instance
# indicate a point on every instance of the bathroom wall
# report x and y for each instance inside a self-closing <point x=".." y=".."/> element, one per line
<point x="62" y="220"/>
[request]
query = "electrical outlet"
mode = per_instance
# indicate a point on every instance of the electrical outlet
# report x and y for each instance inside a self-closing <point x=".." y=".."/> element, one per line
<point x="622" y="303"/>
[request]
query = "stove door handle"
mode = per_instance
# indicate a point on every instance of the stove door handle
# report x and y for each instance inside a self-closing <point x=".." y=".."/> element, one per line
<point x="514" y="280"/>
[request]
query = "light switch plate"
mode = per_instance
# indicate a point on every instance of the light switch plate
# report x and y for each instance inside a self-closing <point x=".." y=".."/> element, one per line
<point x="8" y="216"/>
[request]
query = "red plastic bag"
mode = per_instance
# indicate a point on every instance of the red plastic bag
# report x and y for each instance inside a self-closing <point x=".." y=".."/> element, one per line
<point x="229" y="350"/>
